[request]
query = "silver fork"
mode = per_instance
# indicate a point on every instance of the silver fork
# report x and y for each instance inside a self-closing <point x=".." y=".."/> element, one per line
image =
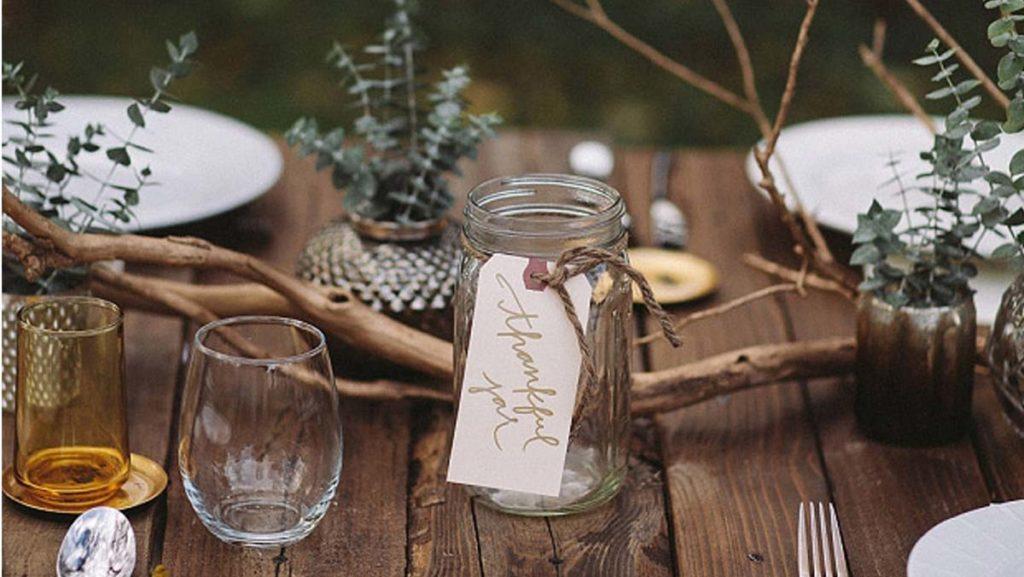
<point x="823" y="540"/>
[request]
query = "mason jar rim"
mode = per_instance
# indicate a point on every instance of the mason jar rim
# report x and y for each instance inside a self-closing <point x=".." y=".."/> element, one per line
<point x="113" y="323"/>
<point x="480" y="216"/>
<point x="271" y="320"/>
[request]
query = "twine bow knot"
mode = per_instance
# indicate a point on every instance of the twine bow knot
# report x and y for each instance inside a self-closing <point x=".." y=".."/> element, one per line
<point x="581" y="260"/>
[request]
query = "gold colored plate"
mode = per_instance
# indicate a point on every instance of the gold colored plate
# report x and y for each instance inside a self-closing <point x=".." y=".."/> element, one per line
<point x="146" y="481"/>
<point x="676" y="277"/>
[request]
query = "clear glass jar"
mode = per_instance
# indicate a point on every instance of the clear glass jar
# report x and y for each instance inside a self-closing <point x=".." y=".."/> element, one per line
<point x="541" y="216"/>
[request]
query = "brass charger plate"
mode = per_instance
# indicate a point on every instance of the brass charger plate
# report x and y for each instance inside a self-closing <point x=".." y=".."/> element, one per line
<point x="146" y="481"/>
<point x="675" y="276"/>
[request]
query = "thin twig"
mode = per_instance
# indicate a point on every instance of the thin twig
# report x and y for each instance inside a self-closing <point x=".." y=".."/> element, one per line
<point x="785" y="273"/>
<point x="898" y="90"/>
<point x="597" y="16"/>
<point x="961" y="54"/>
<point x="739" y="45"/>
<point x="719" y="310"/>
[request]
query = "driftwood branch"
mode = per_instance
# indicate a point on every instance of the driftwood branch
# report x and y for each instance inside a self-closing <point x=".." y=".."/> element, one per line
<point x="689" y="384"/>
<point x="699" y="381"/>
<point x="785" y="273"/>
<point x="333" y="310"/>
<point x="652" y="391"/>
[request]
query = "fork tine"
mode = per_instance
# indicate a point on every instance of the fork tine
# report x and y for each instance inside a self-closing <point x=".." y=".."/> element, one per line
<point x="815" y="542"/>
<point x="801" y="544"/>
<point x="825" y="550"/>
<point x="837" y="543"/>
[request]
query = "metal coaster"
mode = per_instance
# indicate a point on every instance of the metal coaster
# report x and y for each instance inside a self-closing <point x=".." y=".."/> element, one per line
<point x="145" y="482"/>
<point x="676" y="277"/>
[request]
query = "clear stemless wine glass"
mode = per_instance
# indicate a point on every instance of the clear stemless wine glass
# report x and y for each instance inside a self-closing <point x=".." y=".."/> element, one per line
<point x="260" y="446"/>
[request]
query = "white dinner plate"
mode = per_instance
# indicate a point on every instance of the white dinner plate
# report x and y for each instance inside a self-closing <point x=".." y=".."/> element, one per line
<point x="203" y="163"/>
<point x="838" y="165"/>
<point x="986" y="542"/>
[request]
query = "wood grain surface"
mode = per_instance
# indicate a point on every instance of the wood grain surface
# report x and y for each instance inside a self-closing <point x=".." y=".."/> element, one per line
<point x="712" y="489"/>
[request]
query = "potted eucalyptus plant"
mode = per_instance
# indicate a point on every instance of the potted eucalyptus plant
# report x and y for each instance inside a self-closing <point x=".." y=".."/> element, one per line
<point x="916" y="320"/>
<point x="393" y="249"/>
<point x="48" y="176"/>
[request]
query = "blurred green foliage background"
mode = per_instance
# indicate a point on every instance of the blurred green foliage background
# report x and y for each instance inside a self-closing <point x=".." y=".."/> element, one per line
<point x="262" y="60"/>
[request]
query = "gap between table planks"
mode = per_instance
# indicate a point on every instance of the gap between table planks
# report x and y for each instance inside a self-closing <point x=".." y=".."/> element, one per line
<point x="736" y="467"/>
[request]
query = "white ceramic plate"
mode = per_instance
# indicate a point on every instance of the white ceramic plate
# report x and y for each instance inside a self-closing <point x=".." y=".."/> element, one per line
<point x="838" y="165"/>
<point x="204" y="163"/>
<point x="986" y="542"/>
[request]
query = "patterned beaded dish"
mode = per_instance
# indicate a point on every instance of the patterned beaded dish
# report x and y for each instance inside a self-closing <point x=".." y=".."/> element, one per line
<point x="406" y="272"/>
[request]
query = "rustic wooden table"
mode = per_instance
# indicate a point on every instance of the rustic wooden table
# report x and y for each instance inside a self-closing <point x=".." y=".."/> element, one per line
<point x="712" y="489"/>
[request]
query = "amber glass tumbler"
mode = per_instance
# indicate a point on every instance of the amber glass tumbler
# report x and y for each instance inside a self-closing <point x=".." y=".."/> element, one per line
<point x="71" y="434"/>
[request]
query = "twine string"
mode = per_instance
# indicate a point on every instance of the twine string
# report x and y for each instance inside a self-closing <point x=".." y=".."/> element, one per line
<point x="581" y="260"/>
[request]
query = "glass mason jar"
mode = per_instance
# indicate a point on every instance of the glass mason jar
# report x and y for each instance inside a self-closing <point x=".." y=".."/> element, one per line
<point x="541" y="216"/>
<point x="915" y="371"/>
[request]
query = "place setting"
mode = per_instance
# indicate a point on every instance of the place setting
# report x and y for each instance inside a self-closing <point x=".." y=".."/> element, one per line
<point x="405" y="330"/>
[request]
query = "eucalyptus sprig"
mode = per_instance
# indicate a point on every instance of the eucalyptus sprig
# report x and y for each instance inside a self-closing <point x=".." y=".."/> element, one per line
<point x="926" y="256"/>
<point x="40" y="171"/>
<point x="395" y="168"/>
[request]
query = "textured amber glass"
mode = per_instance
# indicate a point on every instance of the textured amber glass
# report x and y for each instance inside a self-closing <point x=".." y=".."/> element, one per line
<point x="71" y="434"/>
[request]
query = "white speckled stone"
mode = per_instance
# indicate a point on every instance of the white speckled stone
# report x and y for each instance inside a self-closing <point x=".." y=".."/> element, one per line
<point x="99" y="543"/>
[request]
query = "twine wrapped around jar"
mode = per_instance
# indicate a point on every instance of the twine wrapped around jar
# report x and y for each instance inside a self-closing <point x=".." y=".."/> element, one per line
<point x="581" y="260"/>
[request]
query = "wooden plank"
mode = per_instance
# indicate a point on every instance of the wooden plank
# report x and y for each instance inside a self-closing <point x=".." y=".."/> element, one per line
<point x="1000" y="449"/>
<point x="629" y="536"/>
<point x="738" y="467"/>
<point x="365" y="528"/>
<point x="442" y="530"/>
<point x="886" y="496"/>
<point x="152" y="349"/>
<point x="441" y="516"/>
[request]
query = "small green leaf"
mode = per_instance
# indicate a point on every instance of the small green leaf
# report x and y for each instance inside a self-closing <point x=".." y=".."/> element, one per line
<point x="188" y="43"/>
<point x="1015" y="219"/>
<point x="135" y="115"/>
<point x="865" y="254"/>
<point x="1005" y="251"/>
<point x="1017" y="163"/>
<point x="119" y="155"/>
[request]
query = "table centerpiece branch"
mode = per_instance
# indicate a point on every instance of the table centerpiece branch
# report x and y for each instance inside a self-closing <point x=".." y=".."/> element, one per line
<point x="341" y="315"/>
<point x="809" y="243"/>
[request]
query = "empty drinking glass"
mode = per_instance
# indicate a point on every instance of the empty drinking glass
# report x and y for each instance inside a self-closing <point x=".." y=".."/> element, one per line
<point x="260" y="447"/>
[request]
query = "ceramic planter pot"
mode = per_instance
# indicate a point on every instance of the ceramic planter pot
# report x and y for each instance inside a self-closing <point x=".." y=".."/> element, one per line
<point x="1005" y="352"/>
<point x="915" y="371"/>
<point x="405" y="271"/>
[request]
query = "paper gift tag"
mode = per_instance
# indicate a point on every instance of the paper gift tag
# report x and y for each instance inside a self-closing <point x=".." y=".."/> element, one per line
<point x="519" y="385"/>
